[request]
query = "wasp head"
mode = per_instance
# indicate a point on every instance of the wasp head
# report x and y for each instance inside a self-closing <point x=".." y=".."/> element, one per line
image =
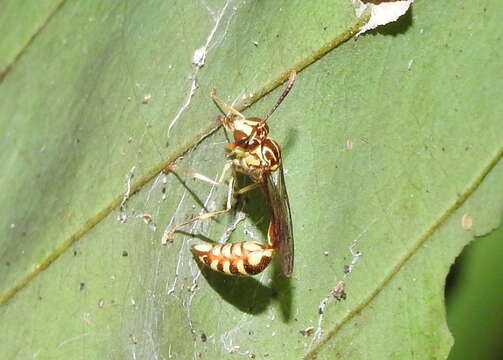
<point x="248" y="133"/>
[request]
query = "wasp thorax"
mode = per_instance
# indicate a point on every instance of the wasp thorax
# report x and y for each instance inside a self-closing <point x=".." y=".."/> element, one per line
<point x="240" y="258"/>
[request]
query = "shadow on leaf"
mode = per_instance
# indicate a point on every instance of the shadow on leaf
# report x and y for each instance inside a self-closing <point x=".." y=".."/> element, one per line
<point x="245" y="293"/>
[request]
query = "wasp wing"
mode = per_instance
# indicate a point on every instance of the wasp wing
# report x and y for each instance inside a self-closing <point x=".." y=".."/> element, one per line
<point x="280" y="228"/>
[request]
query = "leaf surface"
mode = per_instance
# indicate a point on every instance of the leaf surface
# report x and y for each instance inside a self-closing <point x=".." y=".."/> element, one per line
<point x="388" y="142"/>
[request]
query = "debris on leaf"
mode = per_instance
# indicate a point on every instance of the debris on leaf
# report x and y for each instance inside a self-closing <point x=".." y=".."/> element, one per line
<point x="381" y="12"/>
<point x="199" y="57"/>
<point x="467" y="222"/>
<point x="307" y="332"/>
<point x="338" y="290"/>
<point x="146" y="98"/>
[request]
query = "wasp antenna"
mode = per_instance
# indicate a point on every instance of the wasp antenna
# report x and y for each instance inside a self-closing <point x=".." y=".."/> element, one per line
<point x="289" y="86"/>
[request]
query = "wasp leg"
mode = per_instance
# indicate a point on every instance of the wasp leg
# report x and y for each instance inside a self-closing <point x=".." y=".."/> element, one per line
<point x="199" y="176"/>
<point x="246" y="189"/>
<point x="230" y="194"/>
<point x="224" y="106"/>
<point x="208" y="215"/>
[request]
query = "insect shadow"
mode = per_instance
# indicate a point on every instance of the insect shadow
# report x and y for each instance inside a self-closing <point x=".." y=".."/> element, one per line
<point x="194" y="196"/>
<point x="292" y="135"/>
<point x="247" y="293"/>
<point x="280" y="287"/>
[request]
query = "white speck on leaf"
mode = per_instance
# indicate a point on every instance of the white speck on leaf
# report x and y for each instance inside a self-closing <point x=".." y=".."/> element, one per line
<point x="199" y="57"/>
<point x="146" y="98"/>
<point x="467" y="222"/>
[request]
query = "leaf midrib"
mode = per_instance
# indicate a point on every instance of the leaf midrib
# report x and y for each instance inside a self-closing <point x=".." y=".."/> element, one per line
<point x="33" y="36"/>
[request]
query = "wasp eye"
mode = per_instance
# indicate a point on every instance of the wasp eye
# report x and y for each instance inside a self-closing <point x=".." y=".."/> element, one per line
<point x="240" y="136"/>
<point x="251" y="141"/>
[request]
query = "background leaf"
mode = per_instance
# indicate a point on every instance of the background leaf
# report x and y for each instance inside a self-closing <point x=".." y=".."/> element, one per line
<point x="388" y="141"/>
<point x="473" y="305"/>
<point x="20" y="23"/>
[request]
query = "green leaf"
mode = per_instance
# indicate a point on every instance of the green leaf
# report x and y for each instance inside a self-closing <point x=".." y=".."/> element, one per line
<point x="20" y="23"/>
<point x="389" y="142"/>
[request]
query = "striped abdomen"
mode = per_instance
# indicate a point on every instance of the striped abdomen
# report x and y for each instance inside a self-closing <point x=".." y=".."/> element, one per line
<point x="239" y="258"/>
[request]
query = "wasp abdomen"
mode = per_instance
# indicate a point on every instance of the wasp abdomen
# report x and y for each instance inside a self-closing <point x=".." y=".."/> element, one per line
<point x="240" y="258"/>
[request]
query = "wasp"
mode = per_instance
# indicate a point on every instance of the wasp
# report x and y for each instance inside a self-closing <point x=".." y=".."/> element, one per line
<point x="255" y="154"/>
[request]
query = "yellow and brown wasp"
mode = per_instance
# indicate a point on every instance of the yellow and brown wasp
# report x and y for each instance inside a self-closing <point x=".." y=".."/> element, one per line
<point x="258" y="156"/>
